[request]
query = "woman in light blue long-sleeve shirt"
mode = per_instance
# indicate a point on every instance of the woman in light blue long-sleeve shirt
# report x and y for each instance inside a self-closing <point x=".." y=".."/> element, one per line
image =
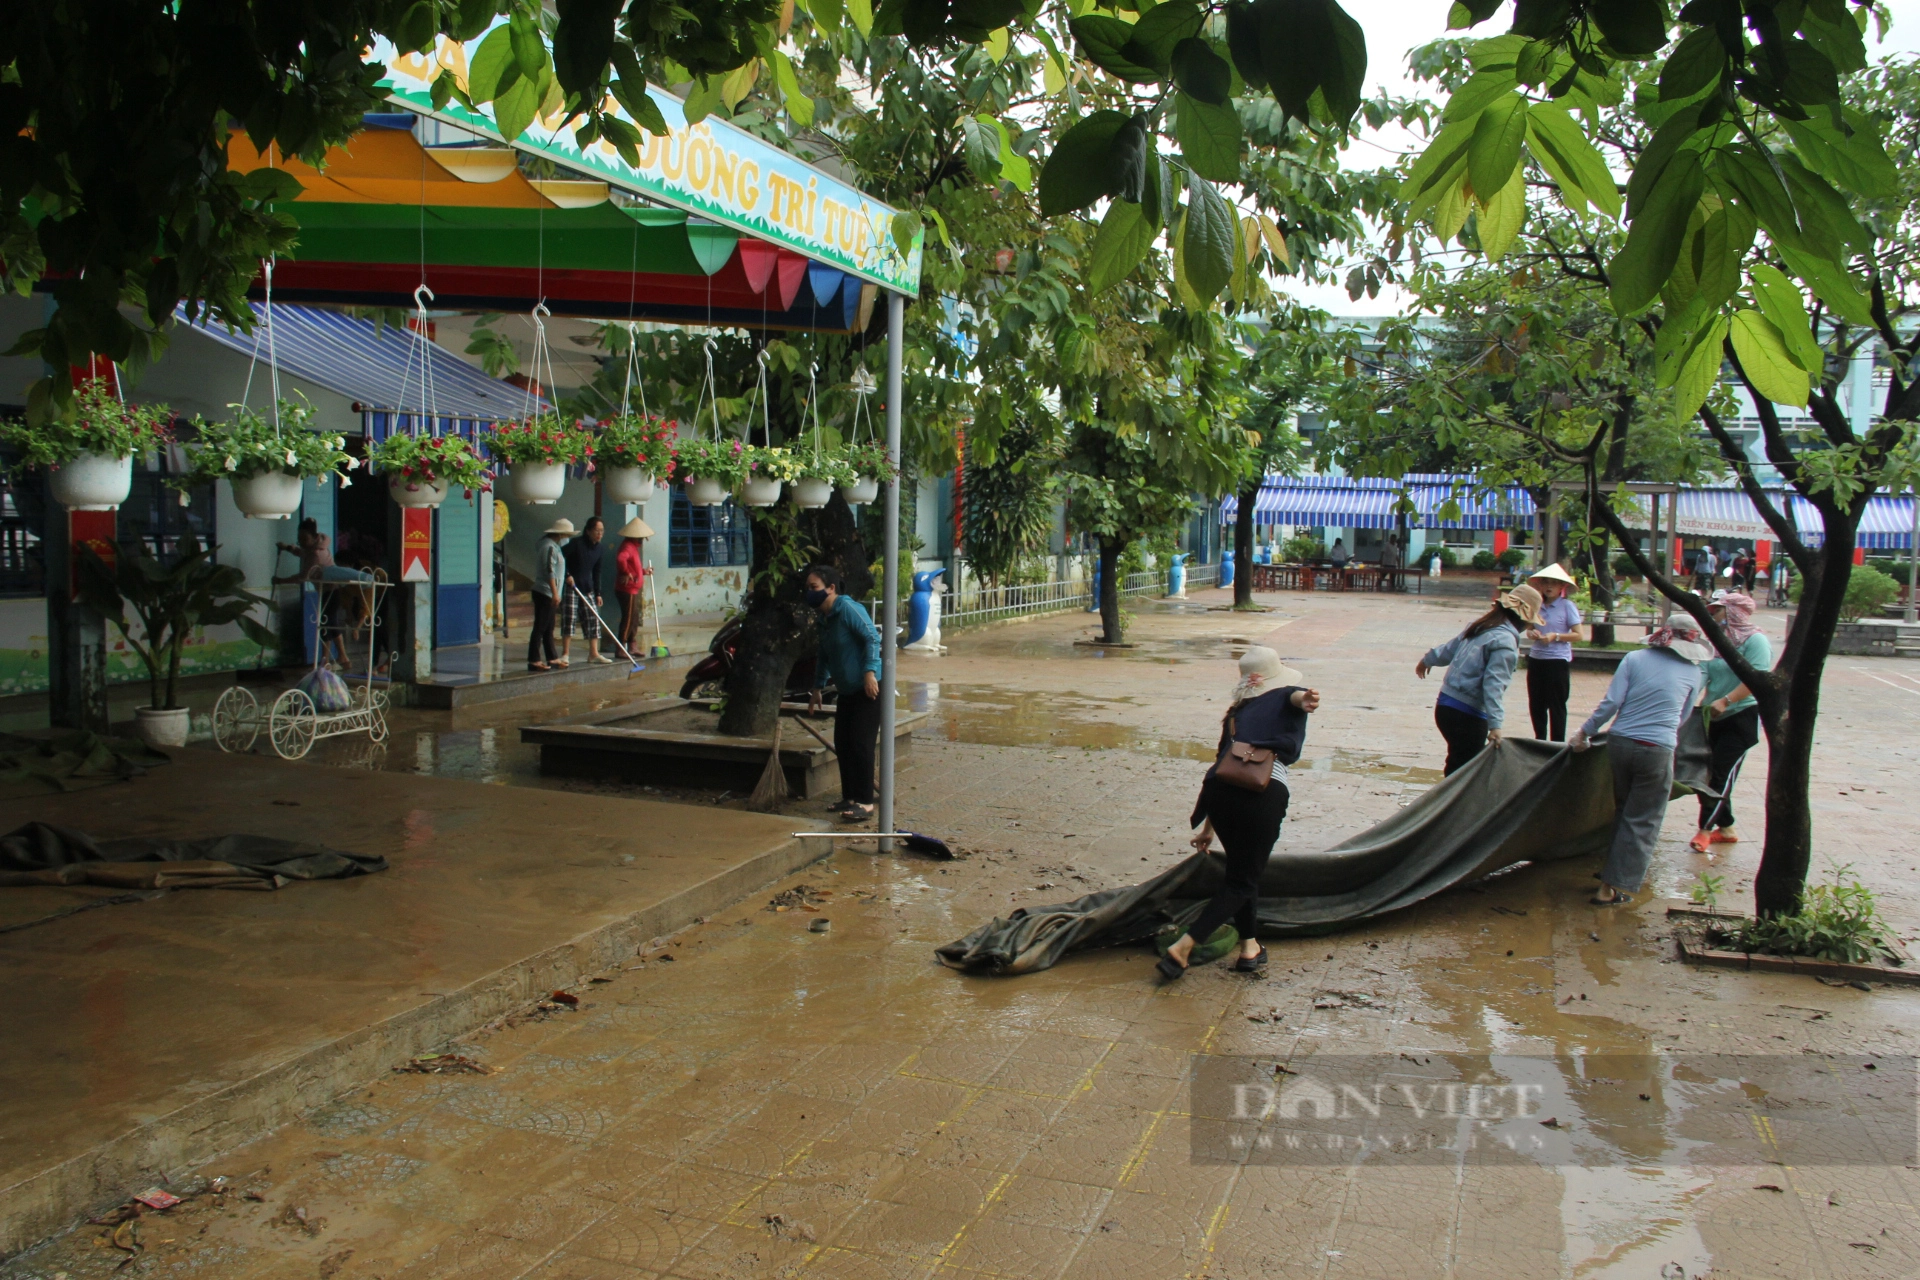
<point x="1651" y="693"/>
<point x="1480" y="663"/>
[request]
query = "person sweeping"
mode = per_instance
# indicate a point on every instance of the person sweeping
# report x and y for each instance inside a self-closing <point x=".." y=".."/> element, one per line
<point x="1735" y="727"/>
<point x="630" y="577"/>
<point x="850" y="657"/>
<point x="1480" y="662"/>
<point x="1243" y="801"/>
<point x="1651" y="692"/>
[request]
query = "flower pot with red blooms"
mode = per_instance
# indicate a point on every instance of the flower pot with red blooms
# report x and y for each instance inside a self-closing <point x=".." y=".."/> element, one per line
<point x="633" y="453"/>
<point x="538" y="452"/>
<point x="88" y="452"/>
<point x="711" y="469"/>
<point x="422" y="471"/>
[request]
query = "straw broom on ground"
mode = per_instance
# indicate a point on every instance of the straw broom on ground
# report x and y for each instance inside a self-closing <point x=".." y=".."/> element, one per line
<point x="772" y="787"/>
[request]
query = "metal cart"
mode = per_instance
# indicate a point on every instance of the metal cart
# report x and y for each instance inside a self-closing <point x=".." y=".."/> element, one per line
<point x="293" y="723"/>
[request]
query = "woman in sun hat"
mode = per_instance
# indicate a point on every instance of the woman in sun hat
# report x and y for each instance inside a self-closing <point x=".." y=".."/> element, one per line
<point x="630" y="578"/>
<point x="1268" y="712"/>
<point x="1735" y="727"/>
<point x="1652" y="691"/>
<point x="1550" y="659"/>
<point x="1480" y="662"/>
<point x="549" y="584"/>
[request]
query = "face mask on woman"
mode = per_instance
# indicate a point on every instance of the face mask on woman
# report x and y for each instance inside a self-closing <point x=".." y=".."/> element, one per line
<point x="816" y="598"/>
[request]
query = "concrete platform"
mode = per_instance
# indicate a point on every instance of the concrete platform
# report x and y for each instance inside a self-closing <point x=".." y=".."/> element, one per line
<point x="654" y="742"/>
<point x="144" y="1038"/>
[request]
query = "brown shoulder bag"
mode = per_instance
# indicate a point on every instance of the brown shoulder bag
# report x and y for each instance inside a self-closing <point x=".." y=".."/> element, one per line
<point x="1244" y="765"/>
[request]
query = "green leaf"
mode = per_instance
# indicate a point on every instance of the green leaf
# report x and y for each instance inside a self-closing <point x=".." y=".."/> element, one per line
<point x="1831" y="283"/>
<point x="704" y="98"/>
<point x="1127" y="157"/>
<point x="1014" y="167"/>
<point x="493" y="70"/>
<point x="1497" y="136"/>
<point x="1444" y="156"/>
<point x="1309" y="46"/>
<point x="1700" y="370"/>
<point x="799" y="105"/>
<point x="1209" y="236"/>
<point x="1667" y="142"/>
<point x="1634" y="28"/>
<point x="1201" y="72"/>
<point x="1763" y="355"/>
<point x="639" y="104"/>
<point x="1499" y="220"/>
<point x="827" y="13"/>
<point x="1160" y="30"/>
<point x="1346" y="77"/>
<point x="1243" y="43"/>
<point x="514" y="110"/>
<point x="583" y="42"/>
<point x="1695" y="63"/>
<point x="1485" y="88"/>
<point x="861" y="11"/>
<point x="1744" y="174"/>
<point x="1119" y="246"/>
<point x="1678" y="330"/>
<point x="1640" y="269"/>
<point x="1209" y="137"/>
<point x="1781" y="302"/>
<point x="529" y="50"/>
<point x="1562" y="149"/>
<point x="1854" y="162"/>
<point x="1104" y="41"/>
<point x="907" y="230"/>
<point x="1076" y="172"/>
<point x="1723" y="243"/>
<point x="1451" y="209"/>
<point x="1825" y="216"/>
<point x="473" y="17"/>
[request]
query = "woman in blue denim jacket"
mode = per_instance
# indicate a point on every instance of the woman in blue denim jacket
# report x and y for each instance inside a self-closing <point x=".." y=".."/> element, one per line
<point x="1480" y="662"/>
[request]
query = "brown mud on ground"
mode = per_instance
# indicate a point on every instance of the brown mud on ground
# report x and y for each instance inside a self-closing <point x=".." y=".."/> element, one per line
<point x="778" y="1102"/>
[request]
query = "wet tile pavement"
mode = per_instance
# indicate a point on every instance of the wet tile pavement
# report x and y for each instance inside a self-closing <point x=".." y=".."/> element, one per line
<point x="754" y="1098"/>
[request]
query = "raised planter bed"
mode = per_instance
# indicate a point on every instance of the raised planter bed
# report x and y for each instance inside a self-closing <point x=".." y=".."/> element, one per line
<point x="1690" y="938"/>
<point x="673" y="742"/>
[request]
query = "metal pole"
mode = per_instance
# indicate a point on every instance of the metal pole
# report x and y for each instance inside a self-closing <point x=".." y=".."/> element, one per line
<point x="890" y="564"/>
<point x="1913" y="556"/>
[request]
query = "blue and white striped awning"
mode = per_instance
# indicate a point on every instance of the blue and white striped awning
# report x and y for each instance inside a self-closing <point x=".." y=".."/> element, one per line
<point x="377" y="366"/>
<point x="1355" y="503"/>
<point x="1886" y="524"/>
<point x="1508" y="508"/>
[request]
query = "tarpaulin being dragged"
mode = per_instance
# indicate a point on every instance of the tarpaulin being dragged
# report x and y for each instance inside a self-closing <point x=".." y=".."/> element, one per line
<point x="1527" y="801"/>
<point x="43" y="854"/>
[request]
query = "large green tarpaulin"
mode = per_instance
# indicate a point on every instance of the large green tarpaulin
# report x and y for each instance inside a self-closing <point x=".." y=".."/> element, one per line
<point x="1526" y="801"/>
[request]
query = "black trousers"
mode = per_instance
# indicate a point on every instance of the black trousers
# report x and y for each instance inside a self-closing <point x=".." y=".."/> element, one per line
<point x="542" y="637"/>
<point x="1248" y="824"/>
<point x="856" y="739"/>
<point x="1466" y="736"/>
<point x="1729" y="738"/>
<point x="629" y="617"/>
<point x="1548" y="683"/>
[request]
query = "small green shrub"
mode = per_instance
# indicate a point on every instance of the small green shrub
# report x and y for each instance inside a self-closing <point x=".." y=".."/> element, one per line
<point x="1299" y="549"/>
<point x="1868" y="590"/>
<point x="1440" y="552"/>
<point x="1898" y="570"/>
<point x="1623" y="567"/>
<point x="1836" y="921"/>
<point x="1512" y="557"/>
<point x="1485" y="560"/>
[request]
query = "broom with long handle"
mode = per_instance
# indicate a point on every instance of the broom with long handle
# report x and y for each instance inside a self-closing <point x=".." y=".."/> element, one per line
<point x="772" y="787"/>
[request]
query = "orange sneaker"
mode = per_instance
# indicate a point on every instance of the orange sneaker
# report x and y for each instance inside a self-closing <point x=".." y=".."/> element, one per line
<point x="1700" y="842"/>
<point x="1720" y="836"/>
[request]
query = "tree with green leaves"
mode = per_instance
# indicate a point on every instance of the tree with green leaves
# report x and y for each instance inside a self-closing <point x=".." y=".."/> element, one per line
<point x="1767" y="229"/>
<point x="1287" y="370"/>
<point x="1007" y="502"/>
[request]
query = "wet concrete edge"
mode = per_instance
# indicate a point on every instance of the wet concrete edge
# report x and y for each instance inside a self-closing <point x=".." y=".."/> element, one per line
<point x="60" y="1198"/>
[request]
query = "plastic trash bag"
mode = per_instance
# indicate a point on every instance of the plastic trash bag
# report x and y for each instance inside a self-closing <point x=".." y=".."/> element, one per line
<point x="327" y="689"/>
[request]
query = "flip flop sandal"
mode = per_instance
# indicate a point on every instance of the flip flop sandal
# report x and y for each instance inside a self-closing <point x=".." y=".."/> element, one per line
<point x="1611" y="898"/>
<point x="1721" y="837"/>
<point x="856" y="813"/>
<point x="1169" y="968"/>
<point x="1251" y="965"/>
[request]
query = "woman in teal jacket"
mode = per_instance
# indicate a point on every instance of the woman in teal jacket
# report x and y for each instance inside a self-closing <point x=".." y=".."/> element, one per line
<point x="1734" y="728"/>
<point x="850" y="657"/>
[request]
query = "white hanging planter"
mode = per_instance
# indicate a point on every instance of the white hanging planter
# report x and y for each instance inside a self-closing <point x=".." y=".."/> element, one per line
<point x="760" y="492"/>
<point x="92" y="482"/>
<point x="416" y="493"/>
<point x="539" y="483"/>
<point x="860" y="492"/>
<point x="627" y="484"/>
<point x="813" y="493"/>
<point x="702" y="492"/>
<point x="271" y="495"/>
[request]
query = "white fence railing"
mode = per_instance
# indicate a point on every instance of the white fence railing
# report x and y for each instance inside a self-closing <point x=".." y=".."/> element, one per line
<point x="976" y="603"/>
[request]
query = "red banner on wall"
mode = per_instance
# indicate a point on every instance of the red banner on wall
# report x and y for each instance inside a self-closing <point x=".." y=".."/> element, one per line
<point x="416" y="544"/>
<point x="95" y="531"/>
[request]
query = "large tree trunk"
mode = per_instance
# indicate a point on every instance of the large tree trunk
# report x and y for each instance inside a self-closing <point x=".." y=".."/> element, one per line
<point x="779" y="629"/>
<point x="1243" y="547"/>
<point x="1110" y="593"/>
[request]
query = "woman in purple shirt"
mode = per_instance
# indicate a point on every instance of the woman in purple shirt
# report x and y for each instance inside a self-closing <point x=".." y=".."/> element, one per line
<point x="1550" y="660"/>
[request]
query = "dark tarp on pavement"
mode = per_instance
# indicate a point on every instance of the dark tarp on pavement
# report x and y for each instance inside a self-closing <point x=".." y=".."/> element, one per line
<point x="41" y="853"/>
<point x="1527" y="801"/>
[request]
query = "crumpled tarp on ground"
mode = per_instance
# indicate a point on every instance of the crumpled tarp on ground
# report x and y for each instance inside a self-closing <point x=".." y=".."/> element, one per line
<point x="1527" y="801"/>
<point x="43" y="854"/>
<point x="70" y="759"/>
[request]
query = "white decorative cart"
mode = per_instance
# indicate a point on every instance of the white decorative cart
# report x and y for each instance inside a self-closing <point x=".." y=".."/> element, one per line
<point x="293" y="723"/>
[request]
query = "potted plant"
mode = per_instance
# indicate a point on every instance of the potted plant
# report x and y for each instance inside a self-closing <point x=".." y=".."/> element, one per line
<point x="170" y="601"/>
<point x="634" y="451"/>
<point x="821" y="471"/>
<point x="421" y="470"/>
<point x="870" y="465"/>
<point x="88" y="452"/>
<point x="768" y="472"/>
<point x="538" y="452"/>
<point x="266" y="463"/>
<point x="711" y="468"/>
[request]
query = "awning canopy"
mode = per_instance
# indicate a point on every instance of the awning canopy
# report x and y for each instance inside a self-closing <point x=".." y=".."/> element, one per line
<point x="1354" y="503"/>
<point x="386" y="215"/>
<point x="376" y="366"/>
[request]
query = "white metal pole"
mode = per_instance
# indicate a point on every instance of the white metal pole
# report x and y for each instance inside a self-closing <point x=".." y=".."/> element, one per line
<point x="890" y="564"/>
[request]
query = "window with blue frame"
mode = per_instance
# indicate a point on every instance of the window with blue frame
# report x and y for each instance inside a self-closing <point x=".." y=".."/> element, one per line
<point x="152" y="514"/>
<point x="23" y="566"/>
<point x="699" y="537"/>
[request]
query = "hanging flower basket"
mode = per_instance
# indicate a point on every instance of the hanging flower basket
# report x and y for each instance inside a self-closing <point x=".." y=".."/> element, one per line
<point x="627" y="484"/>
<point x="539" y="483"/>
<point x="422" y="470"/>
<point x="634" y="451"/>
<point x="271" y="495"/>
<point x="705" y="492"/>
<point x="89" y="454"/>
<point x="761" y="491"/>
<point x="411" y="491"/>
<point x="267" y="460"/>
<point x="860" y="492"/>
<point x="812" y="493"/>
<point x="537" y="453"/>
<point x="711" y="468"/>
